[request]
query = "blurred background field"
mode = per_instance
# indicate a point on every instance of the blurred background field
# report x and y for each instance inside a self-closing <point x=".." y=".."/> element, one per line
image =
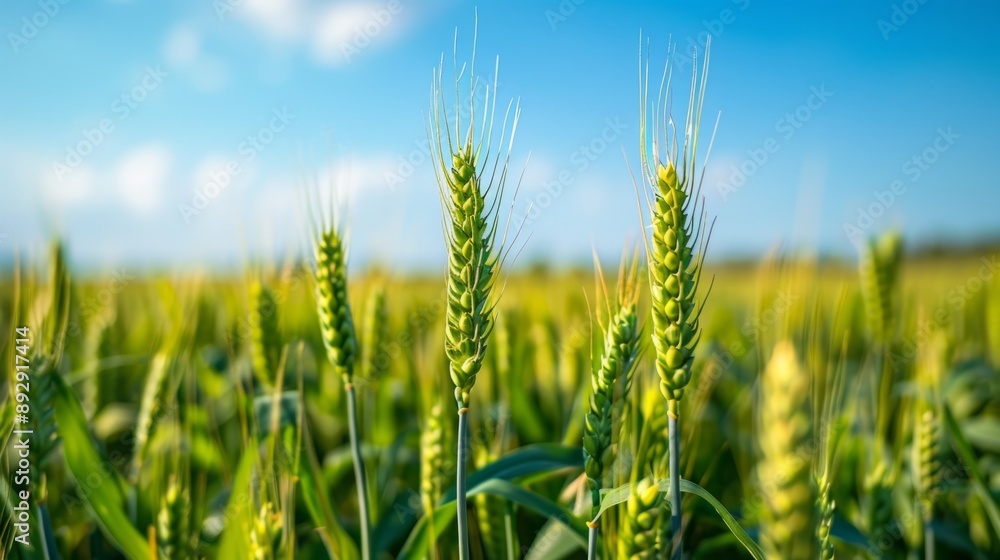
<point x="209" y="402"/>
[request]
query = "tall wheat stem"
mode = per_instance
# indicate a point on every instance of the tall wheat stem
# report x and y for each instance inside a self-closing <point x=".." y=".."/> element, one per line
<point x="463" y="461"/>
<point x="675" y="251"/>
<point x="360" y="476"/>
<point x="341" y="343"/>
<point x="673" y="435"/>
<point x="471" y="178"/>
<point x="611" y="380"/>
<point x="592" y="540"/>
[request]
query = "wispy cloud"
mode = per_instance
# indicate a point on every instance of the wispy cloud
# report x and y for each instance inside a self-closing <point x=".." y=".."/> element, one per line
<point x="334" y="34"/>
<point x="140" y="176"/>
<point x="183" y="51"/>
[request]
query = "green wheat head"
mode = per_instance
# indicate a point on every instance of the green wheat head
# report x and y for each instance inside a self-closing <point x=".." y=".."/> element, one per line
<point x="471" y="179"/>
<point x="611" y="381"/>
<point x="490" y="511"/>
<point x="264" y="333"/>
<point x="827" y="507"/>
<point x="265" y="533"/>
<point x="879" y="271"/>
<point x="644" y="530"/>
<point x="676" y="250"/>
<point x="435" y="443"/>
<point x="46" y="361"/>
<point x="335" y="319"/>
<point x="172" y="522"/>
<point x="789" y="516"/>
<point x="375" y="333"/>
<point x="641" y="525"/>
<point x="927" y="448"/>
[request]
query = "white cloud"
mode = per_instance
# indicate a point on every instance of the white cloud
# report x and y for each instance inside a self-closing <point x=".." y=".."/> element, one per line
<point x="209" y="168"/>
<point x="358" y="176"/>
<point x="344" y="31"/>
<point x="210" y="74"/>
<point x="537" y="172"/>
<point x="719" y="175"/>
<point x="140" y="174"/>
<point x="278" y="19"/>
<point x="182" y="46"/>
<point x="183" y="51"/>
<point x="334" y="33"/>
<point x="68" y="189"/>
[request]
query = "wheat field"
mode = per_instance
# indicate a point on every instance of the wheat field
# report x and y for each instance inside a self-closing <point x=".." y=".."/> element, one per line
<point x="663" y="406"/>
<point x="165" y="437"/>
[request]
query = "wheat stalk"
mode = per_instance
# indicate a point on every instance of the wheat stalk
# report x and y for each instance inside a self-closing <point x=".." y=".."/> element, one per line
<point x="99" y="343"/>
<point x="490" y="513"/>
<point x="339" y="338"/>
<point x="264" y="334"/>
<point x="675" y="252"/>
<point x="993" y="321"/>
<point x="826" y="507"/>
<point x="879" y="270"/>
<point x="640" y="529"/>
<point x="926" y="447"/>
<point x="335" y="318"/>
<point x="879" y="275"/>
<point x="471" y="179"/>
<point x="172" y="522"/>
<point x="436" y="438"/>
<point x="375" y="332"/>
<point x="611" y="381"/>
<point x="789" y="516"/>
<point x="265" y="533"/>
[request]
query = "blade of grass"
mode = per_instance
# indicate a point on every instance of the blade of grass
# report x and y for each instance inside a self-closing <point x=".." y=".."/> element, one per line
<point x="106" y="498"/>
<point x="968" y="456"/>
<point x="620" y="495"/>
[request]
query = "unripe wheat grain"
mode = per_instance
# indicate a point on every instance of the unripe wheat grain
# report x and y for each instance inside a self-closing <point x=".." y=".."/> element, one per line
<point x="471" y="179"/>
<point x="675" y="251"/>
<point x="172" y="522"/>
<point x="789" y="515"/>
<point x="335" y="319"/>
<point x="266" y="340"/>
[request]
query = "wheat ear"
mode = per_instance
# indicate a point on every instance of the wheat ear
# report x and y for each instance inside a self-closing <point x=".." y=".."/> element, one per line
<point x="675" y="252"/>
<point x="611" y="382"/>
<point x="264" y="334"/>
<point x="172" y="522"/>
<point x="879" y="270"/>
<point x="471" y="179"/>
<point x="789" y="516"/>
<point x="339" y="338"/>
<point x="375" y="333"/>
<point x="640" y="529"/>
<point x="926" y="461"/>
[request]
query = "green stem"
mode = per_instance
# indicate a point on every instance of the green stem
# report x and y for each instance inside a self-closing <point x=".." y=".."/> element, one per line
<point x="460" y="499"/>
<point x="49" y="548"/>
<point x="928" y="540"/>
<point x="675" y="478"/>
<point x="595" y="497"/>
<point x="360" y="477"/>
<point x="509" y="531"/>
<point x="884" y="403"/>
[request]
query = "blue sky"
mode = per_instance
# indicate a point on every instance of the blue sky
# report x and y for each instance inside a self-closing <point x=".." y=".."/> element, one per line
<point x="117" y="115"/>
